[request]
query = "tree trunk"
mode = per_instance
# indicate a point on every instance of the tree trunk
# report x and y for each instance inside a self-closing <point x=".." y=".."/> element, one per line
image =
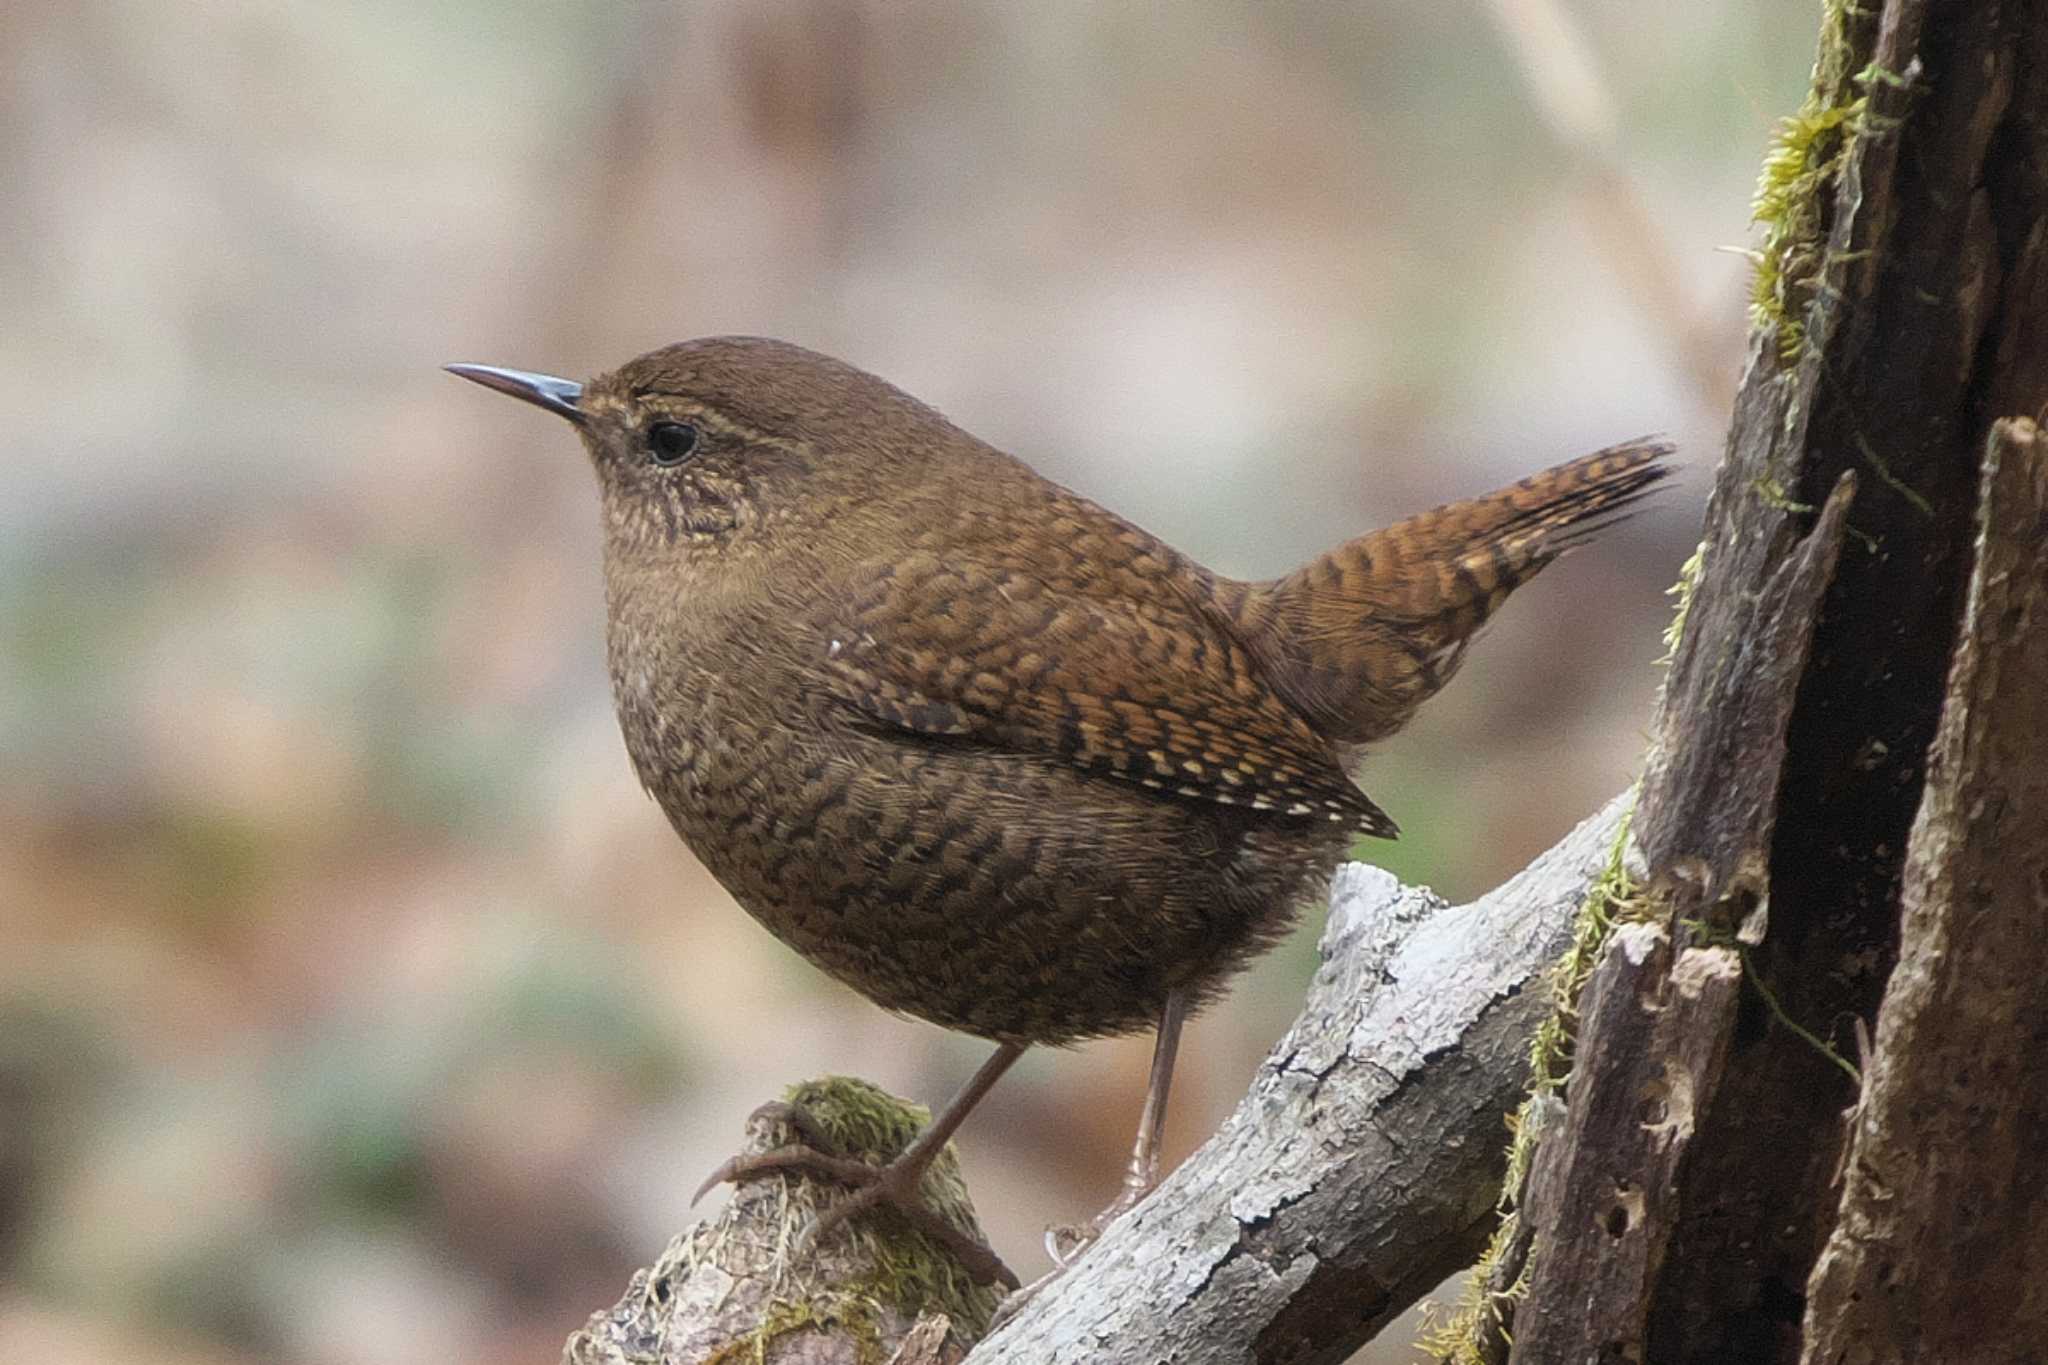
<point x="1941" y="1250"/>
<point x="1908" y="289"/>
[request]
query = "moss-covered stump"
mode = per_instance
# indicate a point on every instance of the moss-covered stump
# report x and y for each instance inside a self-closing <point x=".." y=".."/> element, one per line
<point x="741" y="1289"/>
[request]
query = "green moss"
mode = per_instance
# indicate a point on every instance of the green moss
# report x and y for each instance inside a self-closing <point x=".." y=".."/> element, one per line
<point x="911" y="1274"/>
<point x="853" y="1316"/>
<point x="1610" y="900"/>
<point x="1799" y="171"/>
<point x="1773" y="495"/>
<point x="1798" y="1030"/>
<point x="1455" y="1339"/>
<point x="1914" y="498"/>
<point x="867" y="1121"/>
<point x="1688" y="583"/>
<point x="861" y="1117"/>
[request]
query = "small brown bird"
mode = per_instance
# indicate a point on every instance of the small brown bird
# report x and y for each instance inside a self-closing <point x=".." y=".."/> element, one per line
<point x="981" y="749"/>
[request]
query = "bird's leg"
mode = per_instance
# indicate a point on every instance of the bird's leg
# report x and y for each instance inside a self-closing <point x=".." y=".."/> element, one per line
<point x="1144" y="1169"/>
<point x="1065" y="1243"/>
<point x="898" y="1184"/>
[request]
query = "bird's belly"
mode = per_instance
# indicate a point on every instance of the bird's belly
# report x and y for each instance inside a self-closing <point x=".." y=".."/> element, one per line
<point x="1010" y="897"/>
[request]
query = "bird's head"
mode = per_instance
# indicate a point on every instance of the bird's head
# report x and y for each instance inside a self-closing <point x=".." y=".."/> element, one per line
<point x="715" y="444"/>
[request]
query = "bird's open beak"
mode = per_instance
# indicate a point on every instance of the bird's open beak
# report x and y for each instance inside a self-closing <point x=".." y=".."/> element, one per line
<point x="558" y="396"/>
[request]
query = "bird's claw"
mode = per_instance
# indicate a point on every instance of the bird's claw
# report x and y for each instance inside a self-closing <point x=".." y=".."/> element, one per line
<point x="794" y="1160"/>
<point x="894" y="1186"/>
<point x="812" y="1140"/>
<point x="1064" y="1242"/>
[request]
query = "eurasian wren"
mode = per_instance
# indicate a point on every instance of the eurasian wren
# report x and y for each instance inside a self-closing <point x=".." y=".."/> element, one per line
<point x="972" y="744"/>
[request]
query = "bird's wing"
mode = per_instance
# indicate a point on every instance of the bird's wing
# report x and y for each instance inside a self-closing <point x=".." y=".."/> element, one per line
<point x="1143" y="688"/>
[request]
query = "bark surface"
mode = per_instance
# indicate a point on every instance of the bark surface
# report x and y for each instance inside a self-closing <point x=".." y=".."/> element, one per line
<point x="1941" y="1252"/>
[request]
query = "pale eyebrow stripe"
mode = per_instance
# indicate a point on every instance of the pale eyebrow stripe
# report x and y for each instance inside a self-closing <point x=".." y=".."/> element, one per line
<point x="722" y="425"/>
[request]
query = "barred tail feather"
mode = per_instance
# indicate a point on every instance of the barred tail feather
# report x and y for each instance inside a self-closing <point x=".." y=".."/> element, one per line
<point x="1361" y="636"/>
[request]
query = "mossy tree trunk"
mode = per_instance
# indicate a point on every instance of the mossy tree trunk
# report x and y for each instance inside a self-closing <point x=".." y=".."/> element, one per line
<point x="1679" y="1209"/>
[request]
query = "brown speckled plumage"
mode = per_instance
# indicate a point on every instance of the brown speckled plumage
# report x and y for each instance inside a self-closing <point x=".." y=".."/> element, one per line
<point x="980" y="748"/>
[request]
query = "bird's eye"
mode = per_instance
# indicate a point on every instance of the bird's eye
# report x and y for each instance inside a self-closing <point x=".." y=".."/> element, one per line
<point x="671" y="442"/>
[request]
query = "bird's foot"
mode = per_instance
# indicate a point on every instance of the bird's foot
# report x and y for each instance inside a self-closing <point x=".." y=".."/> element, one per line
<point x="1065" y="1242"/>
<point x="898" y="1185"/>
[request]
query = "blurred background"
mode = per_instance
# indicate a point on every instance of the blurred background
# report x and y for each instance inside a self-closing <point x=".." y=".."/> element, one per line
<point x="355" y="1006"/>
